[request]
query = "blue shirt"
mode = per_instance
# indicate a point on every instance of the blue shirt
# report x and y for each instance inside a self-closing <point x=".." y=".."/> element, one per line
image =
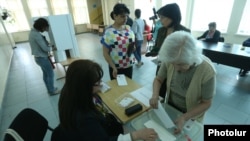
<point x="39" y="47"/>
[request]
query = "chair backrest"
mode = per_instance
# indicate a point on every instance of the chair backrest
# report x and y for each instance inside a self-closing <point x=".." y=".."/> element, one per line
<point x="246" y="43"/>
<point x="221" y="39"/>
<point x="59" y="134"/>
<point x="30" y="125"/>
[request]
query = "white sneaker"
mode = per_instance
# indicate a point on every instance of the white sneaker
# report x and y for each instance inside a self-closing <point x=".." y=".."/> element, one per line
<point x="139" y="64"/>
<point x="56" y="91"/>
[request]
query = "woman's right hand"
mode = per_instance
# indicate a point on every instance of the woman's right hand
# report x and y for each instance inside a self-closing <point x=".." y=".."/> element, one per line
<point x="154" y="102"/>
<point x="146" y="134"/>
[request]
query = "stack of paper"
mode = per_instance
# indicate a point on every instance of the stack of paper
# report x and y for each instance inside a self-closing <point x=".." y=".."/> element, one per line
<point x="143" y="95"/>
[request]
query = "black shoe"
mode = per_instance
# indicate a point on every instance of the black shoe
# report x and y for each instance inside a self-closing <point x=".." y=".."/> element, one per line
<point x="152" y="54"/>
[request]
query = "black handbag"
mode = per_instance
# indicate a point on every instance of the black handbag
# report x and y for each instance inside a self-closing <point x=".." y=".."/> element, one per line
<point x="130" y="49"/>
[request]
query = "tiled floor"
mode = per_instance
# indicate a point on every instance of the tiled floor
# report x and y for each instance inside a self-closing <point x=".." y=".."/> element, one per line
<point x="25" y="87"/>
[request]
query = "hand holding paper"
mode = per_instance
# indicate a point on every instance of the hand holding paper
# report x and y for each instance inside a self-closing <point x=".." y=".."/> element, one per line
<point x="163" y="116"/>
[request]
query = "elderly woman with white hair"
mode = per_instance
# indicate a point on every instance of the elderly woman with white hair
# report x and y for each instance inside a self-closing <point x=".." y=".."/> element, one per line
<point x="190" y="78"/>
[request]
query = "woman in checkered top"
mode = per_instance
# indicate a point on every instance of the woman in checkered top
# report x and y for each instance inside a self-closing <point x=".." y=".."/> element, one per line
<point x="118" y="43"/>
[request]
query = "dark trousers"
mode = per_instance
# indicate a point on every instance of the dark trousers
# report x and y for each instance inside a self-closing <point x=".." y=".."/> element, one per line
<point x="127" y="72"/>
<point x="163" y="88"/>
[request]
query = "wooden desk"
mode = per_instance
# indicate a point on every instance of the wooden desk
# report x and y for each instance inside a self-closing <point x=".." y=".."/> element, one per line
<point x="227" y="54"/>
<point x="114" y="93"/>
<point x="66" y="63"/>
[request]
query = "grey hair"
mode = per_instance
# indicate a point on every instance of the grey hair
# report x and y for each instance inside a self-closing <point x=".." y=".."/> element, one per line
<point x="181" y="47"/>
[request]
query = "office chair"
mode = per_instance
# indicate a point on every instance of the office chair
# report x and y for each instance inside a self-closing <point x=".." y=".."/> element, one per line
<point x="221" y="39"/>
<point x="245" y="43"/>
<point x="29" y="125"/>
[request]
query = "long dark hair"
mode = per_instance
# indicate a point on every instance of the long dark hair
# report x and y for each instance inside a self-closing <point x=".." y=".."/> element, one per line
<point x="173" y="12"/>
<point x="77" y="92"/>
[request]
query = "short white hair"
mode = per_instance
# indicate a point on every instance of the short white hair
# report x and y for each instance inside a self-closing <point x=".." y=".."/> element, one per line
<point x="181" y="47"/>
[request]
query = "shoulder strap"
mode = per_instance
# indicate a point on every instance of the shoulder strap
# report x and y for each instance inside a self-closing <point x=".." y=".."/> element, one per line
<point x="14" y="134"/>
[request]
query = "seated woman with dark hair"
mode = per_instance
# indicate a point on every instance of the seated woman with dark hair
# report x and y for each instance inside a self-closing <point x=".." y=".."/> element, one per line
<point x="211" y="35"/>
<point x="83" y="117"/>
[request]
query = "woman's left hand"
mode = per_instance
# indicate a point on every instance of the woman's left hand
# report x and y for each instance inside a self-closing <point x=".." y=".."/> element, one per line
<point x="180" y="121"/>
<point x="114" y="73"/>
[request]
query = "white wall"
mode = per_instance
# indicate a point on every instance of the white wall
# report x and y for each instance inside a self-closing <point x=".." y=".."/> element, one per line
<point x="5" y="60"/>
<point x="230" y="36"/>
<point x="23" y="36"/>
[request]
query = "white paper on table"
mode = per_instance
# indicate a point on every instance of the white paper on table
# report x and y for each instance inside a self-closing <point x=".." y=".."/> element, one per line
<point x="163" y="116"/>
<point x="105" y="87"/>
<point x="143" y="95"/>
<point x="121" y="80"/>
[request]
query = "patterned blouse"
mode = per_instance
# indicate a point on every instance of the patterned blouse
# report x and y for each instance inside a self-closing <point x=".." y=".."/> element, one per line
<point x="117" y="41"/>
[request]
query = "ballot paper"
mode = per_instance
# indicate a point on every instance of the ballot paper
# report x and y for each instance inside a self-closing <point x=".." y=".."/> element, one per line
<point x="143" y="95"/>
<point x="105" y="87"/>
<point x="163" y="116"/>
<point x="121" y="80"/>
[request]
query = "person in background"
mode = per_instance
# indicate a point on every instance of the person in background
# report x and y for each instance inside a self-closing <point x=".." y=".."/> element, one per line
<point x="40" y="49"/>
<point x="154" y="31"/>
<point x="118" y="43"/>
<point x="82" y="114"/>
<point x="243" y="72"/>
<point x="190" y="78"/>
<point x="211" y="35"/>
<point x="138" y="29"/>
<point x="157" y="26"/>
<point x="129" y="21"/>
<point x="170" y="17"/>
<point x="147" y="31"/>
